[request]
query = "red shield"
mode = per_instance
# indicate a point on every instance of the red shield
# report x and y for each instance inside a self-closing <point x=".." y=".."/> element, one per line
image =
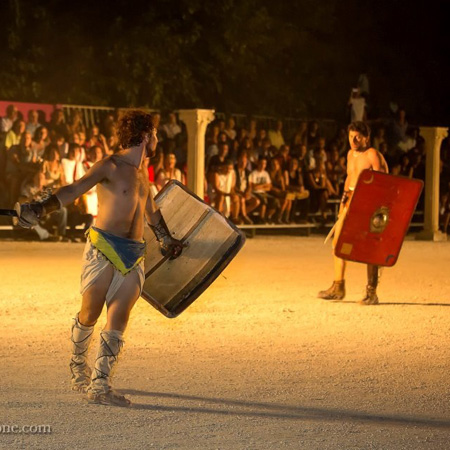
<point x="378" y="218"/>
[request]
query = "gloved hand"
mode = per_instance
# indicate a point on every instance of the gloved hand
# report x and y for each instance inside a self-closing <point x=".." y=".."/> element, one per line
<point x="169" y="245"/>
<point x="30" y="214"/>
<point x="172" y="247"/>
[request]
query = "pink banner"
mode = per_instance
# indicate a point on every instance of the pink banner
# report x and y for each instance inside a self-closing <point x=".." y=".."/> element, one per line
<point x="25" y="107"/>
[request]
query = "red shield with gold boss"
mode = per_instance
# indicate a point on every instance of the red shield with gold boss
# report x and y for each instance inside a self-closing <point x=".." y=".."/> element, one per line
<point x="378" y="218"/>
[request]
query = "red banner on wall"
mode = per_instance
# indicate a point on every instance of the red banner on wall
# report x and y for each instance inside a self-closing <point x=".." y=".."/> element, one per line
<point x="25" y="107"/>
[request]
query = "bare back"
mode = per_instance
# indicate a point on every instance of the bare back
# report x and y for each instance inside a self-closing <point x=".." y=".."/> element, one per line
<point x="357" y="161"/>
<point x="122" y="197"/>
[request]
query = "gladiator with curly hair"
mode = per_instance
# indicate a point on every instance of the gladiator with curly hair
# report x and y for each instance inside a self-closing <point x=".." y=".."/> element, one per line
<point x="133" y="125"/>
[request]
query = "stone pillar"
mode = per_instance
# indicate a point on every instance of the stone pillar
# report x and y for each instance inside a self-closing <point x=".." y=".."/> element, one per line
<point x="196" y="121"/>
<point x="433" y="138"/>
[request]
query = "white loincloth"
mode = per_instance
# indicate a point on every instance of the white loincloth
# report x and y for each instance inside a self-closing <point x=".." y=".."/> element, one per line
<point x="94" y="263"/>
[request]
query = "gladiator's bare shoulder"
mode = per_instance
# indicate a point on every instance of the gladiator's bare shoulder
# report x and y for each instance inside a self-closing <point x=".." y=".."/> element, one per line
<point x="376" y="159"/>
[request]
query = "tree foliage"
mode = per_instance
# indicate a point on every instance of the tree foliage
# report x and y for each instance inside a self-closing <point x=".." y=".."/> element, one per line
<point x="250" y="56"/>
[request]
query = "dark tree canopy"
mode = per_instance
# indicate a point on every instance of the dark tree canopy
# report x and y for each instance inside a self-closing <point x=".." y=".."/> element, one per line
<point x="295" y="58"/>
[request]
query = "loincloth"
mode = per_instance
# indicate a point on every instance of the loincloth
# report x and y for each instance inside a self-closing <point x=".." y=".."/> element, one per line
<point x="103" y="250"/>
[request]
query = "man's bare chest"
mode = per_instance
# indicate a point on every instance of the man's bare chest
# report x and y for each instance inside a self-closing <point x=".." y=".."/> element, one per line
<point x="128" y="182"/>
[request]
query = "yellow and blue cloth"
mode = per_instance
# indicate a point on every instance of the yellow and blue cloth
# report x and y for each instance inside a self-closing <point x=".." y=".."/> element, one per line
<point x="124" y="254"/>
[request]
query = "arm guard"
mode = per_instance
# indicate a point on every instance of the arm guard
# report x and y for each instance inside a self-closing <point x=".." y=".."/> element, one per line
<point x="169" y="245"/>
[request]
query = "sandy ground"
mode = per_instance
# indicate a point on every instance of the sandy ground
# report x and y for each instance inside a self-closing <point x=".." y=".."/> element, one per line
<point x="257" y="362"/>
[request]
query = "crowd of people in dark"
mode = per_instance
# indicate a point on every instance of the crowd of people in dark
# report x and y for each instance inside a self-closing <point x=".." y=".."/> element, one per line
<point x="255" y="172"/>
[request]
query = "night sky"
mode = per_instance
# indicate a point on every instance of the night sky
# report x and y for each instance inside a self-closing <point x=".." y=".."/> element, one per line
<point x="297" y="59"/>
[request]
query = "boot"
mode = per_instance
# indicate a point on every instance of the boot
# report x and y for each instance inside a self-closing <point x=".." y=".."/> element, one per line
<point x="100" y="391"/>
<point x="371" y="297"/>
<point x="81" y="337"/>
<point x="335" y="292"/>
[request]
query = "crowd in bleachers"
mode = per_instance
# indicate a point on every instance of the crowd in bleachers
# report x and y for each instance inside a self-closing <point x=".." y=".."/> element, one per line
<point x="255" y="173"/>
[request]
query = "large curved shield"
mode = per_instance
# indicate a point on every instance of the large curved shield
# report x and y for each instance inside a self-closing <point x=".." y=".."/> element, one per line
<point x="211" y="242"/>
<point x="378" y="218"/>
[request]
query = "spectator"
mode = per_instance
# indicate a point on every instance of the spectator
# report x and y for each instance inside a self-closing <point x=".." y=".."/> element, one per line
<point x="313" y="135"/>
<point x="57" y="125"/>
<point x="157" y="163"/>
<point x="171" y="129"/>
<point x="13" y="170"/>
<point x="248" y="202"/>
<point x="14" y="134"/>
<point x="341" y="140"/>
<point x="6" y="122"/>
<point x="63" y="146"/>
<point x="284" y="157"/>
<point x="318" y="184"/>
<point x="321" y="149"/>
<point x="260" y="185"/>
<point x="260" y="137"/>
<point x="444" y="196"/>
<point x="216" y="160"/>
<point x="398" y="129"/>
<point x="75" y="124"/>
<point x="212" y="142"/>
<point x="230" y="130"/>
<point x="405" y="167"/>
<point x="297" y="193"/>
<point x="304" y="161"/>
<point x="52" y="168"/>
<point x="282" y="205"/>
<point x="108" y="126"/>
<point x="357" y="104"/>
<point x="40" y="141"/>
<point x="168" y="172"/>
<point x="225" y="200"/>
<point x="276" y="135"/>
<point x="252" y="129"/>
<point x="33" y="122"/>
<point x="301" y="135"/>
<point x="410" y="140"/>
<point x="379" y="138"/>
<point x="95" y="139"/>
<point x="336" y="173"/>
<point x="113" y="143"/>
<point x="70" y="163"/>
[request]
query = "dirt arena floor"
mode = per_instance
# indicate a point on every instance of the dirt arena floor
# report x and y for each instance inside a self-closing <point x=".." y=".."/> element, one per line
<point x="257" y="362"/>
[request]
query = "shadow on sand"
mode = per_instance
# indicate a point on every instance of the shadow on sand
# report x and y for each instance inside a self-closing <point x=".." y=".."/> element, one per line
<point x="229" y="407"/>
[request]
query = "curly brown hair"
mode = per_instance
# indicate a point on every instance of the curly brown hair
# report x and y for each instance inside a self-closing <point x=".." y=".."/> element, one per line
<point x="133" y="125"/>
<point x="360" y="127"/>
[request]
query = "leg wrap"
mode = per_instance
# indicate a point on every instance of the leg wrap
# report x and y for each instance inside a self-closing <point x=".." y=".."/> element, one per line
<point x="81" y="338"/>
<point x="372" y="275"/>
<point x="111" y="343"/>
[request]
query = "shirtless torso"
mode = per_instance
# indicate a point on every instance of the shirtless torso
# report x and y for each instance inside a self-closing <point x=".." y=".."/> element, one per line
<point x="359" y="160"/>
<point x="123" y="191"/>
<point x="360" y="157"/>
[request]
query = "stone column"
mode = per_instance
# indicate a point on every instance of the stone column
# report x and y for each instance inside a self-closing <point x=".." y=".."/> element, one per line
<point x="433" y="138"/>
<point x="196" y="121"/>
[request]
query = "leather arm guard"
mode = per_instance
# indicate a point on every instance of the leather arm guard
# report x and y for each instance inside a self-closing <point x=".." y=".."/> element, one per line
<point x="32" y="213"/>
<point x="169" y="245"/>
<point x="345" y="197"/>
